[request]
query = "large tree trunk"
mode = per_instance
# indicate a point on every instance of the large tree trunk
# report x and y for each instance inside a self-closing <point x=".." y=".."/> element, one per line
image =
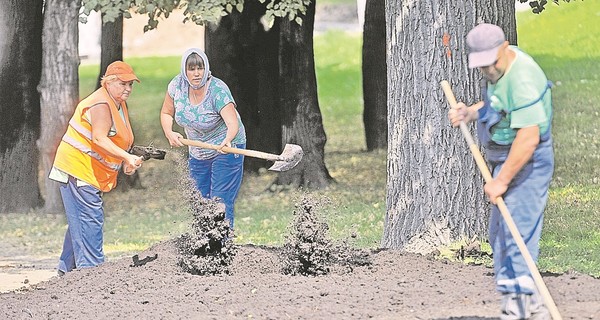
<point x="246" y="56"/>
<point x="374" y="75"/>
<point x="435" y="192"/>
<point x="59" y="86"/>
<point x="302" y="123"/>
<point x="20" y="69"/>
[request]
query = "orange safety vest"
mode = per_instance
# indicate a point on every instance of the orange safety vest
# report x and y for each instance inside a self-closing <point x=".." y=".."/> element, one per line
<point x="78" y="156"/>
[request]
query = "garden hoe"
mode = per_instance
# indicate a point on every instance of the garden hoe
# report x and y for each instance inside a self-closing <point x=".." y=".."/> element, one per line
<point x="148" y="152"/>
<point x="512" y="227"/>
<point x="288" y="159"/>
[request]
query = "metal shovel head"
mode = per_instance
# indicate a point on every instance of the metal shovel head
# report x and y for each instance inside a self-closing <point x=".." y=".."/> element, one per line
<point x="289" y="158"/>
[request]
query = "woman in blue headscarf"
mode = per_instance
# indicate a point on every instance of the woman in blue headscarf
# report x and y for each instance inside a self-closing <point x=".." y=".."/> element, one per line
<point x="203" y="105"/>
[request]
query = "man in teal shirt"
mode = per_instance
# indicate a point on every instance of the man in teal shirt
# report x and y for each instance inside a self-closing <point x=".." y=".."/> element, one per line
<point x="514" y="125"/>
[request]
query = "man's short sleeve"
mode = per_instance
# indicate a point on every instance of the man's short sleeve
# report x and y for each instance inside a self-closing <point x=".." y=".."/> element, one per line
<point x="529" y="116"/>
<point x="528" y="108"/>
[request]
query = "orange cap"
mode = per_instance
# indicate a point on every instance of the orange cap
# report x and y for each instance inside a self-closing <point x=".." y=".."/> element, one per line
<point x="122" y="71"/>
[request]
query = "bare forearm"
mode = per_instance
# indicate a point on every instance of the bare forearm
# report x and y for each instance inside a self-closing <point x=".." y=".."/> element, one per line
<point x="229" y="115"/>
<point x="111" y="148"/>
<point x="473" y="112"/>
<point x="166" y="122"/>
<point x="232" y="131"/>
<point x="521" y="151"/>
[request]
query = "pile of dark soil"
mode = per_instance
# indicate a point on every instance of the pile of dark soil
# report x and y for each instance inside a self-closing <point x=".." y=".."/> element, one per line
<point x="205" y="275"/>
<point x="394" y="286"/>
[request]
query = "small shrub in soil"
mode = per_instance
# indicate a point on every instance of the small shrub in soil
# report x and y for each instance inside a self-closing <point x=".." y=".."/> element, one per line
<point x="309" y="250"/>
<point x="207" y="249"/>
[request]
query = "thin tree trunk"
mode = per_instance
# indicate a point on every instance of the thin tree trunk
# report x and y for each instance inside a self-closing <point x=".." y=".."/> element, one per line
<point x="245" y="55"/>
<point x="111" y="44"/>
<point x="301" y="117"/>
<point x="20" y="69"/>
<point x="435" y="192"/>
<point x="374" y="74"/>
<point x="59" y="86"/>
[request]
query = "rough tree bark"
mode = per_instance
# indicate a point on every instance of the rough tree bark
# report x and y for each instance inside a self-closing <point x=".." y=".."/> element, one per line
<point x="246" y="56"/>
<point x="20" y="69"/>
<point x="59" y="86"/>
<point x="302" y="123"/>
<point x="435" y="192"/>
<point x="374" y="75"/>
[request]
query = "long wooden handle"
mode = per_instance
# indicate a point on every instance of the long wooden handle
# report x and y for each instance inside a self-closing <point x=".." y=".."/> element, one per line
<point x="512" y="227"/>
<point x="246" y="152"/>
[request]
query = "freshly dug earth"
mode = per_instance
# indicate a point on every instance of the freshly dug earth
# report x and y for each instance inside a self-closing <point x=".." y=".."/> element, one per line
<point x="394" y="286"/>
<point x="206" y="275"/>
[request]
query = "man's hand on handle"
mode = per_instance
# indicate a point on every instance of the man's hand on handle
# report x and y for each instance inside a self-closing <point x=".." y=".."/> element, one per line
<point x="457" y="113"/>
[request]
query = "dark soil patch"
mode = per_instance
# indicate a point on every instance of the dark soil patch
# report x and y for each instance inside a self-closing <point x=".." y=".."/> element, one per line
<point x="203" y="275"/>
<point x="394" y="286"/>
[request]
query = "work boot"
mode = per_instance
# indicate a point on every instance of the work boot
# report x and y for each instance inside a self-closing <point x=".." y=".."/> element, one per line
<point x="520" y="306"/>
<point x="538" y="308"/>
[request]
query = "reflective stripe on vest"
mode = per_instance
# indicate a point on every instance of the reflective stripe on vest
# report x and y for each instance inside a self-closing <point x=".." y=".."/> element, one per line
<point x="85" y="149"/>
<point x="81" y="129"/>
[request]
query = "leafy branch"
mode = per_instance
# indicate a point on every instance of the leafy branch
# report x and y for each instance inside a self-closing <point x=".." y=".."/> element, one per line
<point x="198" y="11"/>
<point x="538" y="6"/>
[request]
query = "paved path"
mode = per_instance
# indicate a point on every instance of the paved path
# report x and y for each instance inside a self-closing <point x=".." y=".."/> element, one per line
<point x="23" y="271"/>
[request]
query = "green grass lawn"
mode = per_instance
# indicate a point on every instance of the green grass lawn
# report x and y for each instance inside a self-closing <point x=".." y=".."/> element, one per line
<point x="563" y="40"/>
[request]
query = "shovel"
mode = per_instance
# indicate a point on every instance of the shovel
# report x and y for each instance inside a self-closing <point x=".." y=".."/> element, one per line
<point x="512" y="227"/>
<point x="288" y="159"/>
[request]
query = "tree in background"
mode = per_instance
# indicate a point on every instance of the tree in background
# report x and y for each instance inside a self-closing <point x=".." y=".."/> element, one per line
<point x="302" y="123"/>
<point x="374" y="76"/>
<point x="111" y="46"/>
<point x="435" y="193"/>
<point x="271" y="71"/>
<point x="20" y="71"/>
<point x="297" y="93"/>
<point x="284" y="106"/>
<point x="59" y="86"/>
<point x="245" y="54"/>
<point x="111" y="43"/>
<point x="20" y="112"/>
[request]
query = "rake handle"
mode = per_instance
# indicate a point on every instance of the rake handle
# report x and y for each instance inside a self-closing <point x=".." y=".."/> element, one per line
<point x="245" y="152"/>
<point x="512" y="227"/>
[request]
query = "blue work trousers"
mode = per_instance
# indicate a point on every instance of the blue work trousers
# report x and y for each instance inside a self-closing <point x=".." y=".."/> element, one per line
<point x="526" y="199"/>
<point x="220" y="177"/>
<point x="83" y="243"/>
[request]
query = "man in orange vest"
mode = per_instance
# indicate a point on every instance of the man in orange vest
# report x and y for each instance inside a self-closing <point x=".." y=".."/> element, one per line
<point x="88" y="160"/>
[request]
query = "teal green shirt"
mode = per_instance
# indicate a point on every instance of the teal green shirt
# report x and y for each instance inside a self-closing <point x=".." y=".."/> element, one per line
<point x="522" y="94"/>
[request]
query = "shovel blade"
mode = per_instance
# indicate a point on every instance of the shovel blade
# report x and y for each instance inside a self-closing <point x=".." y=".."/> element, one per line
<point x="289" y="158"/>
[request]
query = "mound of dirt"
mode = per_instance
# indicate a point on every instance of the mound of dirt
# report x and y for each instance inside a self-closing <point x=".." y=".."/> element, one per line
<point x="205" y="275"/>
<point x="394" y="286"/>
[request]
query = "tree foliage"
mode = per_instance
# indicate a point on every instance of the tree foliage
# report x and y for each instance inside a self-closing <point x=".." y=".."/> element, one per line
<point x="538" y="6"/>
<point x="197" y="11"/>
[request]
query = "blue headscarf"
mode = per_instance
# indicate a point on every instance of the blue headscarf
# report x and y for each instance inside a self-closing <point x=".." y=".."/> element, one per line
<point x="202" y="55"/>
